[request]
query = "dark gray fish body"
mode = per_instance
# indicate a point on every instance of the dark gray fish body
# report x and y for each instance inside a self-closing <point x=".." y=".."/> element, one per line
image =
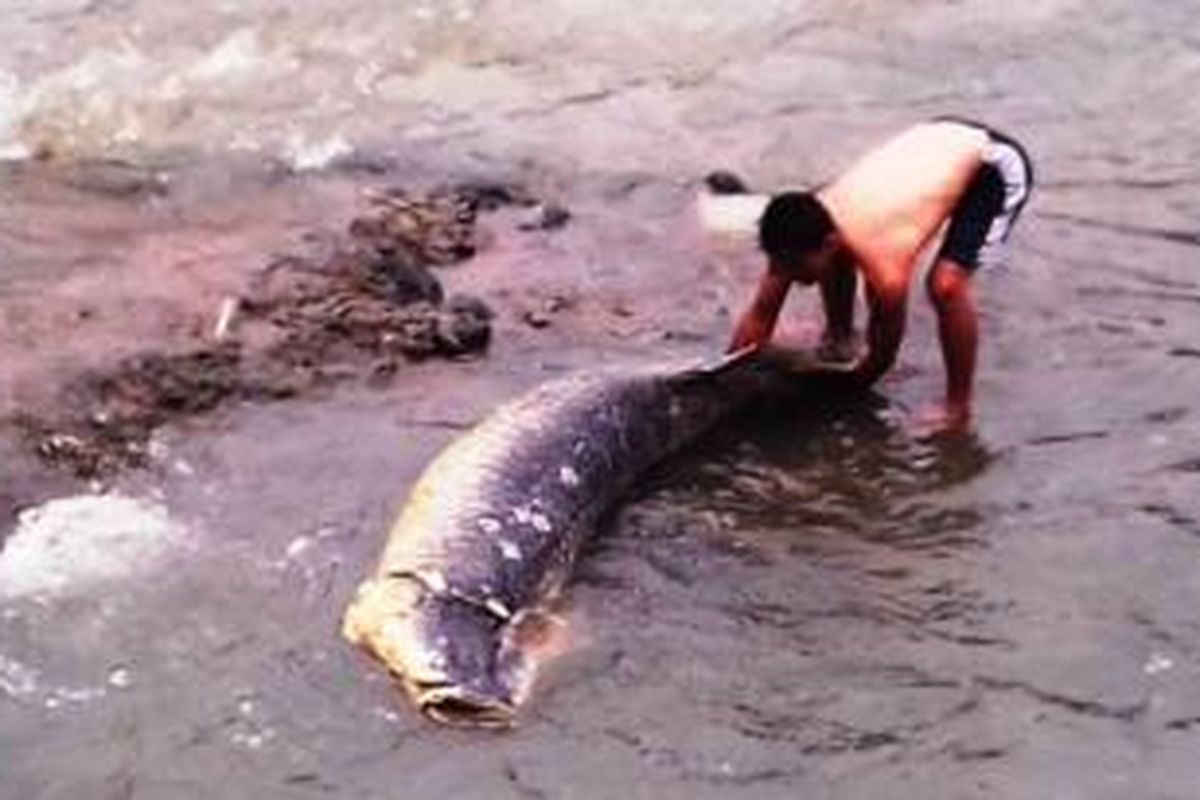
<point x="493" y="525"/>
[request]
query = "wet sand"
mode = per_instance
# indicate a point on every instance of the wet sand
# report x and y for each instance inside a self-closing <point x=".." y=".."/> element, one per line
<point x="812" y="602"/>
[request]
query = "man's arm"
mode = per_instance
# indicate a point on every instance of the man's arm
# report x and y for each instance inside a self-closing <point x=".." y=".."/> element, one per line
<point x="838" y="291"/>
<point x="758" y="322"/>
<point x="885" y="330"/>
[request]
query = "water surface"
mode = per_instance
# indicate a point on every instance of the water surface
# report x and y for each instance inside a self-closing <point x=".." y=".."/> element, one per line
<point x="812" y="601"/>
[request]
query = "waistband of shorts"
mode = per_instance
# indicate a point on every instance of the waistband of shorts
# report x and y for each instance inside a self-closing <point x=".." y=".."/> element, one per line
<point x="994" y="135"/>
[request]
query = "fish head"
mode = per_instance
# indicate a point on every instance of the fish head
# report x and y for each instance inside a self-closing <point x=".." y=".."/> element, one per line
<point x="450" y="655"/>
<point x="470" y="677"/>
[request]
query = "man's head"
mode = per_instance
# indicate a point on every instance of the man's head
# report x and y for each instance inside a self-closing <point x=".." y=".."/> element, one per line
<point x="798" y="236"/>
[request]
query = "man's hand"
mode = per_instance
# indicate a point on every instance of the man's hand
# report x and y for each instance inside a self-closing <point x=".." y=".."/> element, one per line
<point x="834" y="377"/>
<point x="750" y="332"/>
<point x="837" y="349"/>
<point x="757" y="324"/>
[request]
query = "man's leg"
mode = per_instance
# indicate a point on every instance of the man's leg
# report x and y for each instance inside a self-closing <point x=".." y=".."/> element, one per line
<point x="950" y="290"/>
<point x="949" y="286"/>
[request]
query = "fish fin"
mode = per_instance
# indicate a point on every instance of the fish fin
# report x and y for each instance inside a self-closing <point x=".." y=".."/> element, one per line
<point x="728" y="362"/>
<point x="541" y="630"/>
<point x="356" y="622"/>
<point x="788" y="361"/>
<point x="794" y="360"/>
<point x="532" y="639"/>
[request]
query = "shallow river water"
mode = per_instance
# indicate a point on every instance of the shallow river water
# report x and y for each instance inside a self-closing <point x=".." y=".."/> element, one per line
<point x="812" y="602"/>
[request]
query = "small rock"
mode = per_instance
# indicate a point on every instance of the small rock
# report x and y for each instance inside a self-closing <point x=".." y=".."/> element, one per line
<point x="535" y="319"/>
<point x="681" y="335"/>
<point x="546" y="217"/>
<point x="725" y="182"/>
<point x="417" y="332"/>
<point x="404" y="281"/>
<point x="471" y="305"/>
<point x="488" y="195"/>
<point x="465" y="326"/>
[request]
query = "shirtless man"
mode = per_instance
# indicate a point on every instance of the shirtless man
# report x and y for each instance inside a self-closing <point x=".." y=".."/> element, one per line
<point x="876" y="220"/>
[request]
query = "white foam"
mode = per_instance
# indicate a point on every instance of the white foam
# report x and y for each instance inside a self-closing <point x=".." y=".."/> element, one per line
<point x="238" y="57"/>
<point x="75" y="542"/>
<point x="16" y="679"/>
<point x="305" y="154"/>
<point x="297" y="547"/>
<point x="1158" y="663"/>
<point x="120" y="678"/>
<point x="11" y="112"/>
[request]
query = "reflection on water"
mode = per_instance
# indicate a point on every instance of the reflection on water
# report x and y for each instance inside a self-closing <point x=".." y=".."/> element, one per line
<point x="844" y="468"/>
<point x="803" y="585"/>
<point x="816" y="527"/>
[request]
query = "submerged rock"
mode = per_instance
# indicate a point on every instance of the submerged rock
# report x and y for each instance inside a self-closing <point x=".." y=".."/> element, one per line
<point x="546" y="217"/>
<point x="402" y="280"/>
<point x="486" y="195"/>
<point x="465" y="326"/>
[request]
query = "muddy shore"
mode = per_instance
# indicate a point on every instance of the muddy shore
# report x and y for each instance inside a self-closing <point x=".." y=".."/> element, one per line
<point x="813" y="602"/>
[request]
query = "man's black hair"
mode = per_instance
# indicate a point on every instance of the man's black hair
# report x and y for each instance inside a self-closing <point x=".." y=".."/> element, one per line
<point x="792" y="224"/>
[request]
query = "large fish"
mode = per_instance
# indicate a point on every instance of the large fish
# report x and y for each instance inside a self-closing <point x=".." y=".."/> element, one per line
<point x="493" y="525"/>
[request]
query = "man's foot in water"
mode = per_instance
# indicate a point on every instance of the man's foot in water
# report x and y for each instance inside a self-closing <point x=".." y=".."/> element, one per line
<point x="949" y="419"/>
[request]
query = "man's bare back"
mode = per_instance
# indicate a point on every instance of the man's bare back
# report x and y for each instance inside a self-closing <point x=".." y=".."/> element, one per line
<point x="891" y="202"/>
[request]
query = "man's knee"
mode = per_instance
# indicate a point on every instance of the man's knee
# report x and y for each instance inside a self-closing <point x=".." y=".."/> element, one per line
<point x="948" y="284"/>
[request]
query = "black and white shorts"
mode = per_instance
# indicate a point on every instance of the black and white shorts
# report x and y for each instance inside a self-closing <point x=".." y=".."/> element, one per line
<point x="989" y="208"/>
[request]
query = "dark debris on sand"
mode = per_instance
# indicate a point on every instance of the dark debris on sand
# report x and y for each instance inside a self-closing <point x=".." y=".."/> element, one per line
<point x="361" y="306"/>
